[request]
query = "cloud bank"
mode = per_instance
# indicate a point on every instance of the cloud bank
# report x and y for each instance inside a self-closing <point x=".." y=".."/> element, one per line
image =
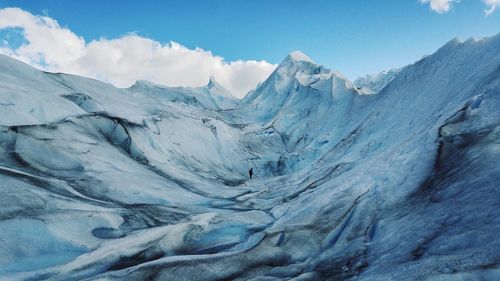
<point x="121" y="61"/>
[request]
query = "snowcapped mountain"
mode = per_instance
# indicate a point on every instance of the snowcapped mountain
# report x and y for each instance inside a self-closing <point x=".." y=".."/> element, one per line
<point x="395" y="178"/>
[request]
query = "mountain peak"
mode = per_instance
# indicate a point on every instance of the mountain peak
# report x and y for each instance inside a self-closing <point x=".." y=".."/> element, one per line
<point x="216" y="88"/>
<point x="295" y="60"/>
<point x="299" y="56"/>
<point x="212" y="83"/>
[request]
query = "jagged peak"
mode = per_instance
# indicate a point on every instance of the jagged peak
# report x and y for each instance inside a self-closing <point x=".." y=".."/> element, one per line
<point x="453" y="43"/>
<point x="297" y="62"/>
<point x="295" y="59"/>
<point x="212" y="83"/>
<point x="216" y="88"/>
<point x="299" y="56"/>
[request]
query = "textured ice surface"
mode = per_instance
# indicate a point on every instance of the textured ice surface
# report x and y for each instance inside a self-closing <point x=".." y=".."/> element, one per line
<point x="374" y="83"/>
<point x="395" y="178"/>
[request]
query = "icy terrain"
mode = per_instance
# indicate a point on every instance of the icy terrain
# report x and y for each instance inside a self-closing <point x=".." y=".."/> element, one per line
<point x="396" y="178"/>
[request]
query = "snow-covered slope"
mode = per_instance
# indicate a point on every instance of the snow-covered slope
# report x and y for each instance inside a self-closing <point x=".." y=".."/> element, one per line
<point x="151" y="182"/>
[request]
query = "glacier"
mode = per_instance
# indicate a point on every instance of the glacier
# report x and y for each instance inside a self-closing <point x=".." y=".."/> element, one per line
<point x="393" y="177"/>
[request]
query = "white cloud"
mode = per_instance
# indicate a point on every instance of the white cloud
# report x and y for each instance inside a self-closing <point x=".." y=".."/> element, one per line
<point x="124" y="60"/>
<point x="440" y="6"/>
<point x="443" y="6"/>
<point x="491" y="6"/>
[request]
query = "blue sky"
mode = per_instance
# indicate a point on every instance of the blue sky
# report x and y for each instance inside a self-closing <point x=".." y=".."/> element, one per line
<point x="356" y="36"/>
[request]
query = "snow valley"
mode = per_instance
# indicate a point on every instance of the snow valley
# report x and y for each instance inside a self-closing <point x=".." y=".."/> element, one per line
<point x="393" y="177"/>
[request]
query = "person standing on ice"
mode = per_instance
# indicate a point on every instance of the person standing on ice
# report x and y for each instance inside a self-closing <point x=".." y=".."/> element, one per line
<point x="250" y="172"/>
